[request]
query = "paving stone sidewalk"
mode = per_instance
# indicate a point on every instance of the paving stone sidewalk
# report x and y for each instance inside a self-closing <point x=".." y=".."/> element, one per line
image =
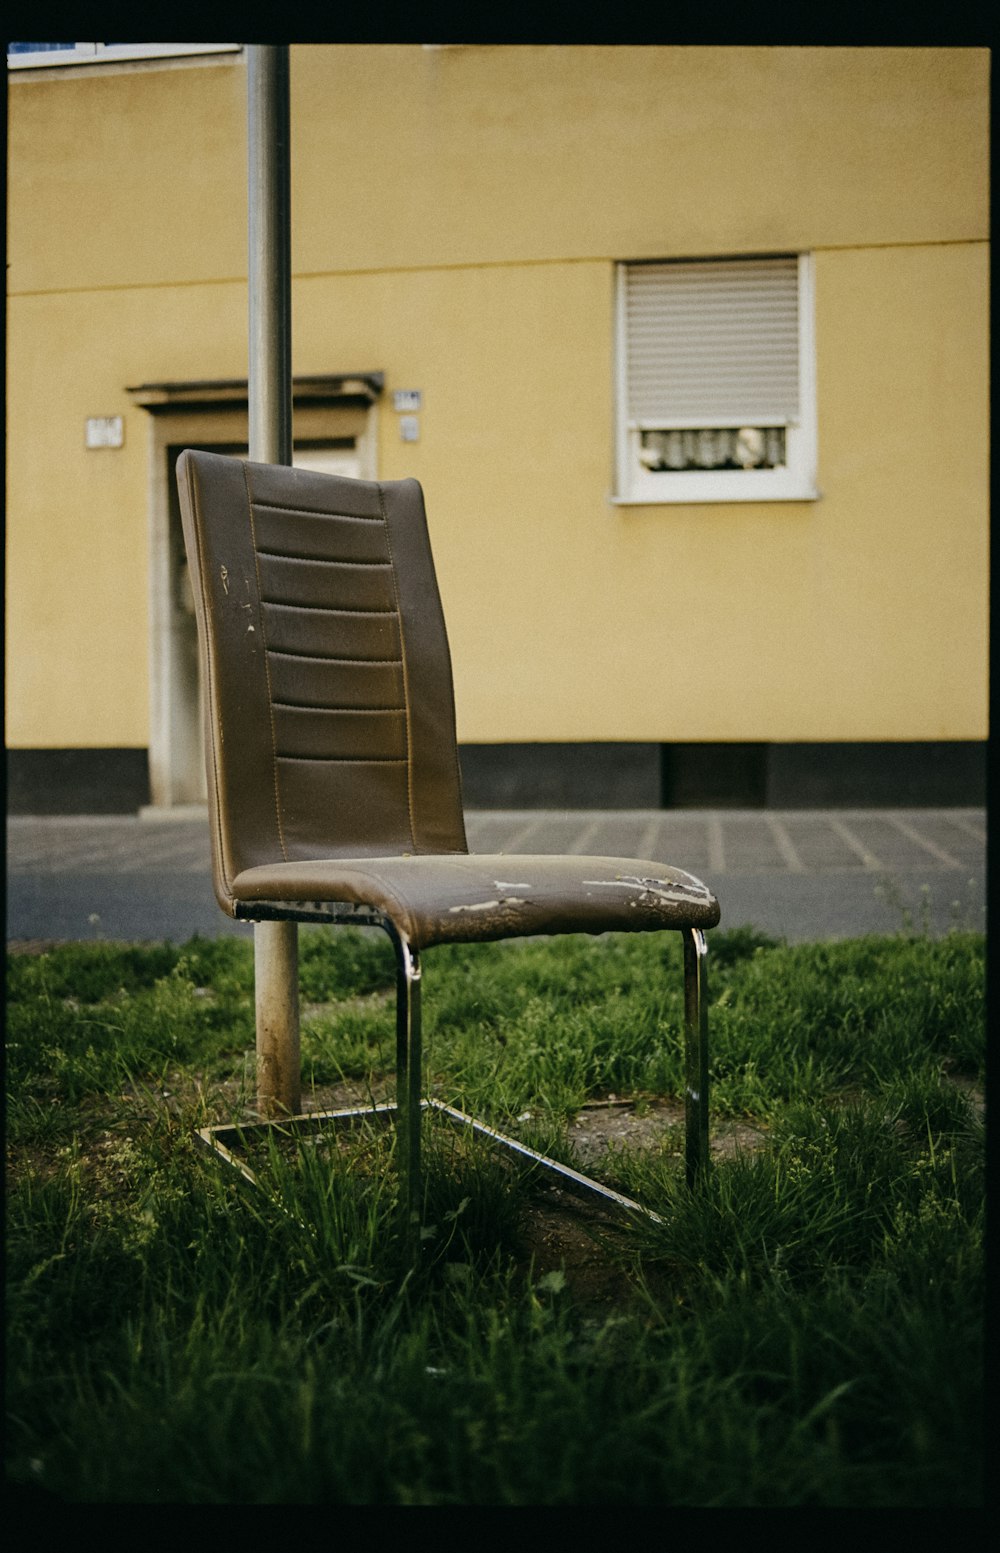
<point x="799" y="874"/>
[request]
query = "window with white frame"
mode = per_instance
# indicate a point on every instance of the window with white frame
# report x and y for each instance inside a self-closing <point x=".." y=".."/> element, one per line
<point x="35" y="56"/>
<point x="716" y="397"/>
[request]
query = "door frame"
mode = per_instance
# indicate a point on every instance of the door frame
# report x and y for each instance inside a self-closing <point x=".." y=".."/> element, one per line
<point x="331" y="412"/>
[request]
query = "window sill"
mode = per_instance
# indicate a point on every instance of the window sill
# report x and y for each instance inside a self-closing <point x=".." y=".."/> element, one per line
<point x="758" y="499"/>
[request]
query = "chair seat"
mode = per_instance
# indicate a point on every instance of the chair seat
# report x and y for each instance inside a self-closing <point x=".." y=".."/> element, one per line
<point x="462" y="898"/>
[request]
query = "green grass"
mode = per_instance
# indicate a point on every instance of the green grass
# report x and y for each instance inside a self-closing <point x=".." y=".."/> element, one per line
<point x="805" y="1329"/>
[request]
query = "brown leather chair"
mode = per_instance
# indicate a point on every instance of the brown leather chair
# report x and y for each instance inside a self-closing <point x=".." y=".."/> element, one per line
<point x="333" y="775"/>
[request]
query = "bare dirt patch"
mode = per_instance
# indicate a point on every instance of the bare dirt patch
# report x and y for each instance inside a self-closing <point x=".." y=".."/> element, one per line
<point x="579" y="1238"/>
<point x="564" y="1235"/>
<point x="602" y="1128"/>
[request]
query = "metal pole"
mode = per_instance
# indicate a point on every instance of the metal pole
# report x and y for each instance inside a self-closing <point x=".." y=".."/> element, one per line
<point x="270" y="413"/>
<point x="270" y="268"/>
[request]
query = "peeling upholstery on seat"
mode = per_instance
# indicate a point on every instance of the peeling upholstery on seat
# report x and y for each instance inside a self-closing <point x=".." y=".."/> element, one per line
<point x="437" y="900"/>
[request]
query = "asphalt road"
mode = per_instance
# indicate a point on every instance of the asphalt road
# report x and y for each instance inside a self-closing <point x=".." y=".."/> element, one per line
<point x="797" y="874"/>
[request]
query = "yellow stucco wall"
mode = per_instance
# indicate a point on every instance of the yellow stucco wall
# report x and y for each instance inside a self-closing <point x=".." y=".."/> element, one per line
<point x="457" y="215"/>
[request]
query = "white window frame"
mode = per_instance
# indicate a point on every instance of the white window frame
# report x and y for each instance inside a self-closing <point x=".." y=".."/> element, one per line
<point x="794" y="481"/>
<point x="110" y="53"/>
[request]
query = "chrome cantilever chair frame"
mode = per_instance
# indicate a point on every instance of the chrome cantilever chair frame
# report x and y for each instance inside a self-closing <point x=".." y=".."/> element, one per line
<point x="410" y="1104"/>
<point x="334" y="791"/>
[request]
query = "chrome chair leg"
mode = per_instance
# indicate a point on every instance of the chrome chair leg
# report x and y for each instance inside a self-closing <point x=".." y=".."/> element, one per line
<point x="695" y="1054"/>
<point x="408" y="1078"/>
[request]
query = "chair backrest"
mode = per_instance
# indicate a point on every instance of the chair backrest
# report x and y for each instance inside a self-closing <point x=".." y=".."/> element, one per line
<point x="329" y="708"/>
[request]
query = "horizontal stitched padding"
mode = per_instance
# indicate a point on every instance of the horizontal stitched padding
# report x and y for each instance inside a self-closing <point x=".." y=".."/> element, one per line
<point x="325" y="537"/>
<point x="326" y="804"/>
<point x="328" y="584"/>
<point x="304" y="491"/>
<point x="315" y="734"/>
<point x="329" y="633"/>
<point x="325" y="682"/>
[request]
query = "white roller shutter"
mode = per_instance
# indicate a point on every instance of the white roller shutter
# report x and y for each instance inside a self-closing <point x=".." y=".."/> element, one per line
<point x="712" y="343"/>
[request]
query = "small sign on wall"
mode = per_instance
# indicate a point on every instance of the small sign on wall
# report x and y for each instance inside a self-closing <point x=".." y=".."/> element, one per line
<point x="105" y="431"/>
<point x="406" y="400"/>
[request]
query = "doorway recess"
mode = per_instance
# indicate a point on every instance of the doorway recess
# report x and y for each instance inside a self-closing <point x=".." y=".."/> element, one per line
<point x="334" y="431"/>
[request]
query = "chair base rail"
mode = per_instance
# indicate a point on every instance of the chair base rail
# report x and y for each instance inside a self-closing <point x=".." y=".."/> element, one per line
<point x="223" y="1141"/>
